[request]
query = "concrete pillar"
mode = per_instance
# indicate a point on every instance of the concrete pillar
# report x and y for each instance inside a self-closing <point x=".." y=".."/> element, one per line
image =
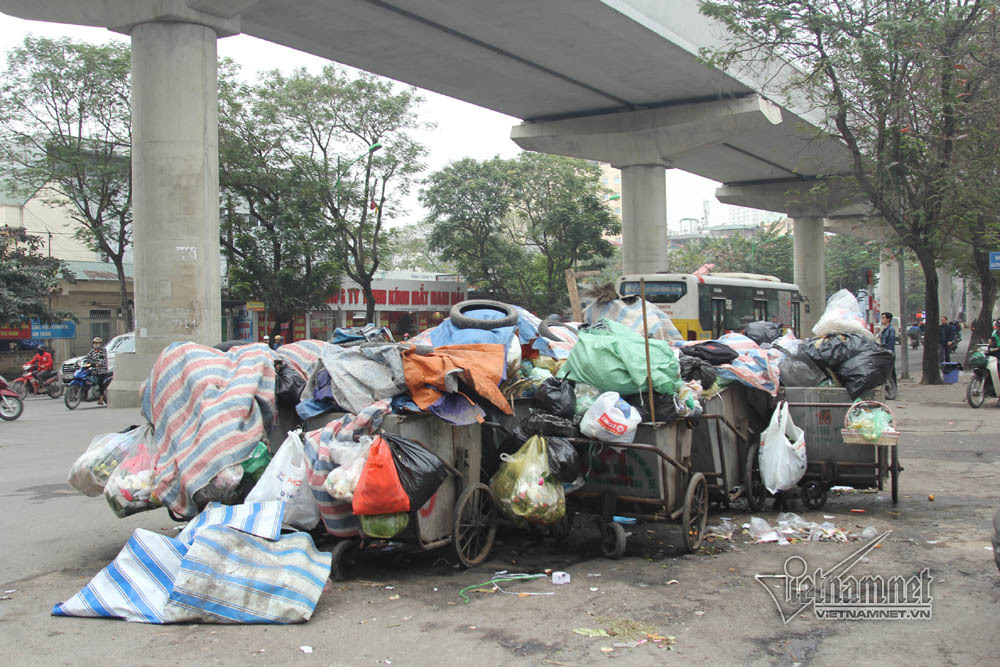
<point x="175" y="171"/>
<point x="888" y="285"/>
<point x="946" y="290"/>
<point x="644" y="219"/>
<point x="810" y="271"/>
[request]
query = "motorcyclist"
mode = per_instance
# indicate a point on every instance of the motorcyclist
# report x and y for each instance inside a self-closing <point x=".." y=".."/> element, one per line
<point x="42" y="362"/>
<point x="98" y="359"/>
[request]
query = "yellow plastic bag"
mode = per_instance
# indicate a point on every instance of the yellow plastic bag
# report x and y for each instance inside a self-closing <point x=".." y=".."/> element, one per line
<point x="525" y="489"/>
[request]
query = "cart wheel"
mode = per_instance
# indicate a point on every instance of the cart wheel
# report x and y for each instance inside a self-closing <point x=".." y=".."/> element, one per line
<point x="613" y="540"/>
<point x="894" y="471"/>
<point x="814" y="495"/>
<point x="563" y="527"/>
<point x="475" y="525"/>
<point x="695" y="512"/>
<point x="756" y="492"/>
<point x="344" y="559"/>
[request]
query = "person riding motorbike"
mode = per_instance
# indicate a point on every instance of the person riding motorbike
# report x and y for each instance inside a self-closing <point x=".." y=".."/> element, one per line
<point x="98" y="358"/>
<point x="42" y="362"/>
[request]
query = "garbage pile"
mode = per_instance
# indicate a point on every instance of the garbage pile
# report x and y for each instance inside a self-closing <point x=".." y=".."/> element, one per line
<point x="789" y="528"/>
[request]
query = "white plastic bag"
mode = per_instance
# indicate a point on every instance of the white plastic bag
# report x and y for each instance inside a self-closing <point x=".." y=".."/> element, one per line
<point x="782" y="452"/>
<point x="285" y="479"/>
<point x="342" y="481"/>
<point x="610" y="419"/>
<point x="91" y="471"/>
<point x="842" y="315"/>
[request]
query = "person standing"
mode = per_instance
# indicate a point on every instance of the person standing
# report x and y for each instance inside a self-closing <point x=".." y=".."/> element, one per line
<point x="888" y="339"/>
<point x="98" y="358"/>
<point x="946" y="339"/>
<point x="278" y="342"/>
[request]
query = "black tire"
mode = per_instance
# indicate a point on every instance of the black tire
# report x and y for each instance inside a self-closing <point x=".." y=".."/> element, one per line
<point x="695" y="516"/>
<point x="814" y="495"/>
<point x="72" y="398"/>
<point x="11" y="408"/>
<point x="344" y="560"/>
<point x="544" y="329"/>
<point x="463" y="321"/>
<point x="894" y="470"/>
<point x="613" y="540"/>
<point x="975" y="392"/>
<point x="756" y="492"/>
<point x="20" y="388"/>
<point x="891" y="389"/>
<point x="475" y="525"/>
<point x="55" y="390"/>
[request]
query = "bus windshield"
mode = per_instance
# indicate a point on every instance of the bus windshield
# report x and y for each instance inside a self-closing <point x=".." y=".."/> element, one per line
<point x="657" y="291"/>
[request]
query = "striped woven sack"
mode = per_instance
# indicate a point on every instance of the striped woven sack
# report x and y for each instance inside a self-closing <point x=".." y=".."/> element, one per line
<point x="209" y="409"/>
<point x="260" y="519"/>
<point x="229" y="576"/>
<point x="135" y="586"/>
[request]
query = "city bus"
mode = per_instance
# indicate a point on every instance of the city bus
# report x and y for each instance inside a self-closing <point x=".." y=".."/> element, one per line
<point x="704" y="306"/>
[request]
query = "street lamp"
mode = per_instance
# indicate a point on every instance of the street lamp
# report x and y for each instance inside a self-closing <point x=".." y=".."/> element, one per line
<point x="371" y="149"/>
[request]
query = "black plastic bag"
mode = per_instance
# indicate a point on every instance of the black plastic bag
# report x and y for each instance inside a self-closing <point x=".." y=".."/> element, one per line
<point x="556" y="397"/>
<point x="288" y="385"/>
<point x="763" y="331"/>
<point x="693" y="368"/>
<point x="420" y="470"/>
<point x="834" y="349"/>
<point x="666" y="407"/>
<point x="542" y="423"/>
<point x="712" y="351"/>
<point x="564" y="462"/>
<point x="866" y="370"/>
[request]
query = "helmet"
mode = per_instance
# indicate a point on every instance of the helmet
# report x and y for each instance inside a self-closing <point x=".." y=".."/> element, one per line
<point x="266" y="337"/>
<point x="97" y="339"/>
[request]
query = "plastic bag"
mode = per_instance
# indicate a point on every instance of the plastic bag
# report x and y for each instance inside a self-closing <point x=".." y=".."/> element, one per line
<point x="90" y="472"/>
<point x="224" y="488"/>
<point x="693" y="368"/>
<point x="667" y="407"/>
<point x="542" y="423"/>
<point x="129" y="489"/>
<point x="711" y="351"/>
<point x="564" y="462"/>
<point x="782" y="452"/>
<point x="384" y="526"/>
<point x="762" y="331"/>
<point x="379" y="490"/>
<point x="833" y="350"/>
<point x="977" y="360"/>
<point x="555" y="397"/>
<point x="842" y="315"/>
<point x="795" y="368"/>
<point x="288" y="385"/>
<point x="420" y="470"/>
<point x="610" y="419"/>
<point x="524" y="488"/>
<point x="285" y="479"/>
<point x="255" y="466"/>
<point x="866" y="370"/>
<point x="343" y="480"/>
<point x="586" y="394"/>
<point x="870" y="424"/>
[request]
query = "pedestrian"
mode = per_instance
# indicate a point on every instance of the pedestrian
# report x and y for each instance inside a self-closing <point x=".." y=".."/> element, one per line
<point x="888" y="339"/>
<point x="98" y="359"/>
<point x="946" y="339"/>
<point x="278" y="342"/>
<point x="267" y="340"/>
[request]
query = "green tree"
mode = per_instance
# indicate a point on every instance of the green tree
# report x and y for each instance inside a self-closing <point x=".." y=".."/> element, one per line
<point x="27" y="277"/>
<point x="66" y="131"/>
<point x="892" y="78"/>
<point x="847" y="260"/>
<point x="764" y="251"/>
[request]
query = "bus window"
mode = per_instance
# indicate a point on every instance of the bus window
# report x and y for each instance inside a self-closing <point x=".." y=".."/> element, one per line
<point x="657" y="291"/>
<point x="759" y="310"/>
<point x="718" y="317"/>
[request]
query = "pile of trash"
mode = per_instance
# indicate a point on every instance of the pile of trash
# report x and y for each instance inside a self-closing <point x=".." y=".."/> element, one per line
<point x="789" y="528"/>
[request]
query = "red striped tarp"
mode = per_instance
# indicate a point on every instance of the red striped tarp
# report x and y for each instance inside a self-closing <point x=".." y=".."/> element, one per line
<point x="301" y="355"/>
<point x="209" y="409"/>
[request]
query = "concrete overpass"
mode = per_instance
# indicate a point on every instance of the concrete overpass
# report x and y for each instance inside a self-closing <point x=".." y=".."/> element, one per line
<point x="618" y="81"/>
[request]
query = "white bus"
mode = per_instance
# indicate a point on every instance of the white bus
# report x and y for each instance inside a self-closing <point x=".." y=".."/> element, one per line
<point x="709" y="305"/>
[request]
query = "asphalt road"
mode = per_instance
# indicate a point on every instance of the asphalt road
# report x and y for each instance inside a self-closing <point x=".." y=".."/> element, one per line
<point x="54" y="540"/>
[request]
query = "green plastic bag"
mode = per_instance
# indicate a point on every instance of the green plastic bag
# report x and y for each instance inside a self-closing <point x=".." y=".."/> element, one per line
<point x="255" y="465"/>
<point x="525" y="489"/>
<point x="384" y="526"/>
<point x="612" y="357"/>
<point x="870" y="424"/>
<point x="977" y="360"/>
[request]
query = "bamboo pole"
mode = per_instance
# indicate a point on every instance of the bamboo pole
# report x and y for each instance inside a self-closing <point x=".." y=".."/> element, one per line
<point x="645" y="336"/>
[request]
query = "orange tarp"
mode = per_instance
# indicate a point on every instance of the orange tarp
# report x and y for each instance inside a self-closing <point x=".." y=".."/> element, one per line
<point x="481" y="365"/>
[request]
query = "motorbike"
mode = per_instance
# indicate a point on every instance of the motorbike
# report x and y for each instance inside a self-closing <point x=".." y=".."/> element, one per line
<point x="11" y="405"/>
<point x="29" y="383"/>
<point x="985" y="380"/>
<point x="916" y="337"/>
<point x="84" y="387"/>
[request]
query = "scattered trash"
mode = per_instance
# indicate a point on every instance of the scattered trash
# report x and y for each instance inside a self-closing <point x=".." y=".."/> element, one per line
<point x="869" y="532"/>
<point x="394" y="597"/>
<point x="625" y="520"/>
<point x="857" y="511"/>
<point x="699" y="613"/>
<point x="792" y="528"/>
<point x="724" y="530"/>
<point x="607" y="649"/>
<point x="494" y="583"/>
<point x="672" y="581"/>
<point x="593" y="574"/>
<point x="306" y="649"/>
<point x="931" y="497"/>
<point x="560" y="578"/>
<point x="828" y="516"/>
<point x="593" y="589"/>
<point x="932" y="541"/>
<point x="592" y="632"/>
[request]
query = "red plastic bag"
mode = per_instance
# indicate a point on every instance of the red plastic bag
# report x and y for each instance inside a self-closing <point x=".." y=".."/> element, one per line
<point x="379" y="490"/>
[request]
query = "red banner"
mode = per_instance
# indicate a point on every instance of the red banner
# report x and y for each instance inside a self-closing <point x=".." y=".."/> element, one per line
<point x="16" y="332"/>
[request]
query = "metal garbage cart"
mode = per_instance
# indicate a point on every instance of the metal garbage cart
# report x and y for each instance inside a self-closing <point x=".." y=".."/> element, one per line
<point x="649" y="479"/>
<point x="462" y="512"/>
<point x="830" y="460"/>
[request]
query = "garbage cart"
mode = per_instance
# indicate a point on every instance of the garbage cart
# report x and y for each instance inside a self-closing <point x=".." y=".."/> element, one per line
<point x="831" y="460"/>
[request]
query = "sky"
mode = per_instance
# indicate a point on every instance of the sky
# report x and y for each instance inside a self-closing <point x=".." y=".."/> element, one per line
<point x="462" y="129"/>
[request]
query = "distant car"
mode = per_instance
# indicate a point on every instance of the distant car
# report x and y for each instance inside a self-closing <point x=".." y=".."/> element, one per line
<point x="124" y="343"/>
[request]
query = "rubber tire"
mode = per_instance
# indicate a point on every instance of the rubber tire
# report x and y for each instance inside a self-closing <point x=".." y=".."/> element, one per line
<point x="10" y="414"/>
<point x="979" y="380"/>
<point x="692" y="542"/>
<point x="343" y="561"/>
<point x="814" y="495"/>
<point x="55" y="389"/>
<point x="487" y="522"/>
<point x="891" y="389"/>
<point x="613" y="540"/>
<point x="545" y="325"/>
<point x="20" y="388"/>
<point x="72" y="398"/>
<point x="462" y="321"/>
<point x="894" y="470"/>
<point x="755" y="501"/>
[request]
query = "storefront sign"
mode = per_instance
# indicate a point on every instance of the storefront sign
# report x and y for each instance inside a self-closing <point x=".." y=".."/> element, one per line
<point x="65" y="329"/>
<point x="15" y="332"/>
<point x="404" y="295"/>
<point x="256" y="306"/>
